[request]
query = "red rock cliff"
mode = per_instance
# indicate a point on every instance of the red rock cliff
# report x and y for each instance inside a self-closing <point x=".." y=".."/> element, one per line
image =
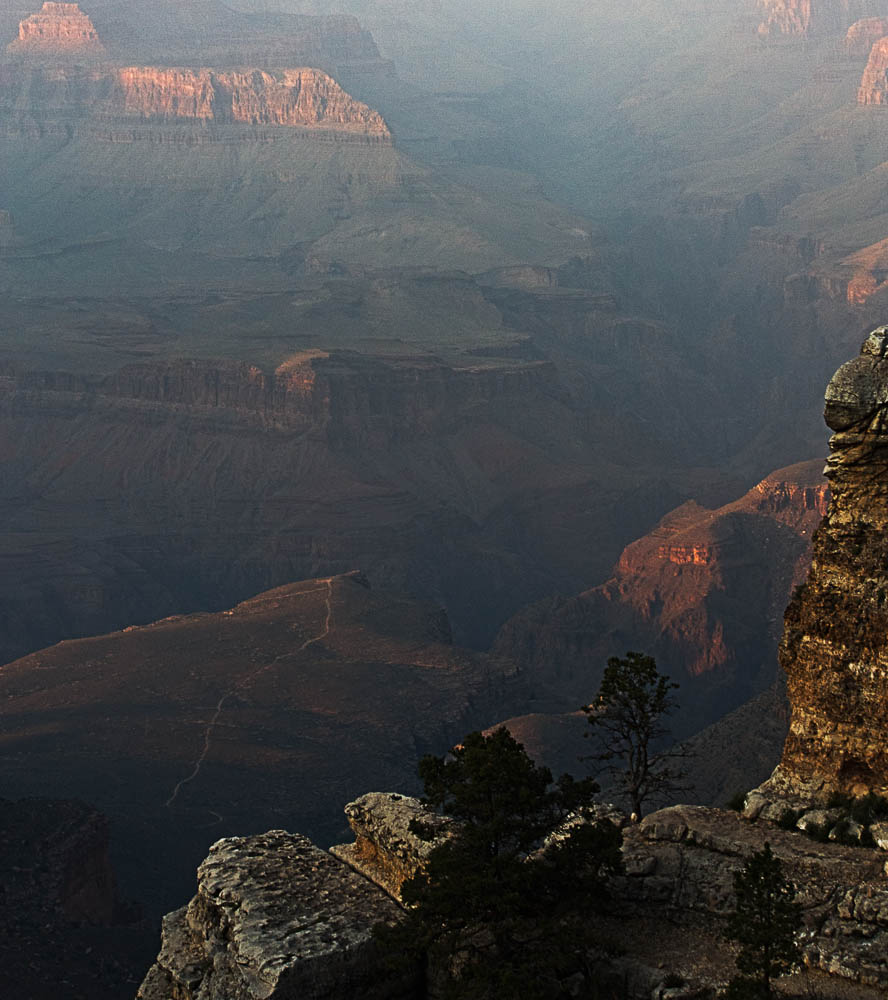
<point x="874" y="85"/>
<point x="57" y="28"/>
<point x="862" y="35"/>
<point x="293" y="97"/>
<point x="702" y="592"/>
<point x="784" y="17"/>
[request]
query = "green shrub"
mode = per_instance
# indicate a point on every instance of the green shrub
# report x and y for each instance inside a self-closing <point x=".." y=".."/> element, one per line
<point x="736" y="802"/>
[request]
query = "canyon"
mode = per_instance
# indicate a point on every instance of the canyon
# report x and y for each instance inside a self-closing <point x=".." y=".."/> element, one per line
<point x="291" y="294"/>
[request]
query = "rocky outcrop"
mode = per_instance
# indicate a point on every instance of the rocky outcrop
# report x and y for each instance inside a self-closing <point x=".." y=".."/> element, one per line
<point x="834" y="647"/>
<point x="681" y="862"/>
<point x="96" y="101"/>
<point x="306" y="98"/>
<point x="274" y="918"/>
<point x="386" y="849"/>
<point x="874" y="84"/>
<point x="863" y="34"/>
<point x="702" y="592"/>
<point x="57" y="29"/>
<point x="784" y="17"/>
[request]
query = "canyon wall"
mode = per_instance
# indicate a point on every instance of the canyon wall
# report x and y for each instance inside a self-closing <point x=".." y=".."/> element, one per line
<point x="37" y="99"/>
<point x="863" y="34"/>
<point x="873" y="86"/>
<point x="785" y="17"/>
<point x="58" y="29"/>
<point x="703" y="593"/>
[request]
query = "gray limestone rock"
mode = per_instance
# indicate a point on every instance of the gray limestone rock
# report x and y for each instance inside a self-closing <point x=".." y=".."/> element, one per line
<point x="275" y="918"/>
<point x="684" y="858"/>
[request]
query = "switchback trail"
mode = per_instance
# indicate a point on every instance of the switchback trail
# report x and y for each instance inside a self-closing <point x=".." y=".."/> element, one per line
<point x="244" y="682"/>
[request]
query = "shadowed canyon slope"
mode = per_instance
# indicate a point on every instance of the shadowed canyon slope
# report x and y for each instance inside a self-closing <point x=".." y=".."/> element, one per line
<point x="273" y="713"/>
<point x="194" y="484"/>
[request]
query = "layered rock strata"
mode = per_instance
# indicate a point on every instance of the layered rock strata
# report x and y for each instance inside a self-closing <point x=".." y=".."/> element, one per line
<point x="274" y="917"/>
<point x="57" y="29"/>
<point x="702" y="592"/>
<point x="863" y="34"/>
<point x="43" y="98"/>
<point x="292" y="97"/>
<point x="834" y="648"/>
<point x="874" y="84"/>
<point x="784" y="17"/>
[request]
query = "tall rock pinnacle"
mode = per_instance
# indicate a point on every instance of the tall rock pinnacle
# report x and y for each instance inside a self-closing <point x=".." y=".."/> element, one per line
<point x="835" y="640"/>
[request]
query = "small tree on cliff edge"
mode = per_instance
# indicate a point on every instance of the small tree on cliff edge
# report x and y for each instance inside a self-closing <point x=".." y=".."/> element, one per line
<point x="627" y="727"/>
<point x="500" y="911"/>
<point x="765" y="924"/>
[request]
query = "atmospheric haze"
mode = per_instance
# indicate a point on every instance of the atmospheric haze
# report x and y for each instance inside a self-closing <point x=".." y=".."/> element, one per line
<point x="448" y="344"/>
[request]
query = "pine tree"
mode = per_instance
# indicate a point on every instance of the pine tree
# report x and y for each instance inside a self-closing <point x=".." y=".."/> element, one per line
<point x="627" y="728"/>
<point x="765" y="924"/>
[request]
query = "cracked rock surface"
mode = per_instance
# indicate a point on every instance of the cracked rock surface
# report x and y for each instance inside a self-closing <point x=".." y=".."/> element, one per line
<point x="274" y="917"/>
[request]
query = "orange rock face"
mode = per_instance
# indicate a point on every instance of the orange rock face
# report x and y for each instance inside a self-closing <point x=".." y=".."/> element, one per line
<point x="57" y="27"/>
<point x="784" y="17"/>
<point x="874" y="85"/>
<point x="702" y="593"/>
<point x="862" y="35"/>
<point x="295" y="97"/>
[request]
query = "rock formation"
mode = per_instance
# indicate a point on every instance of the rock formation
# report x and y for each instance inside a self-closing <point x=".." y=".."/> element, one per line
<point x="57" y="29"/>
<point x="834" y="648"/>
<point x="702" y="593"/>
<point x="94" y="101"/>
<point x="874" y="85"/>
<point x="862" y="35"/>
<point x="385" y="849"/>
<point x="681" y="861"/>
<point x="274" y="918"/>
<point x="785" y="17"/>
<point x="306" y="98"/>
<point x="802" y="18"/>
<point x="273" y="912"/>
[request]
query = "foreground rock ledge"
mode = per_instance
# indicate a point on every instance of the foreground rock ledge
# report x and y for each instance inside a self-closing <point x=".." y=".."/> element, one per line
<point x="274" y="917"/>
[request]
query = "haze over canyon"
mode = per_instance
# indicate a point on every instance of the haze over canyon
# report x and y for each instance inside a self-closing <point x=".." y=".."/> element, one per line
<point x="373" y="371"/>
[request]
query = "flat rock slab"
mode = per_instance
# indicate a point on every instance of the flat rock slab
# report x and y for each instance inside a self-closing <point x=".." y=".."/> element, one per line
<point x="274" y="917"/>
